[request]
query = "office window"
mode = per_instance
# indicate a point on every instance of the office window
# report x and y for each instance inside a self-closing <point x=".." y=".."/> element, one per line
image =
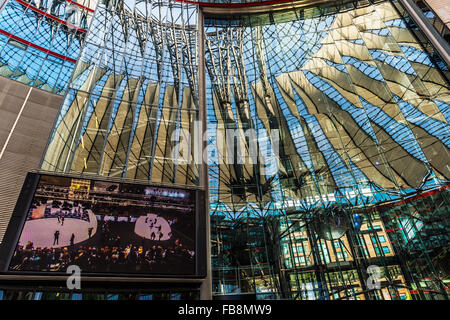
<point x="77" y="296"/>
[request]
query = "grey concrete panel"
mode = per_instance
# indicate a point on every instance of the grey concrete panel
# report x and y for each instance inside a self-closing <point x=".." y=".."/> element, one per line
<point x="26" y="145"/>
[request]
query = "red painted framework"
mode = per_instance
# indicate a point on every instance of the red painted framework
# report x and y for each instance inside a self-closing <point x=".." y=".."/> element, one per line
<point x="50" y="16"/>
<point x="37" y="47"/>
<point x="414" y="198"/>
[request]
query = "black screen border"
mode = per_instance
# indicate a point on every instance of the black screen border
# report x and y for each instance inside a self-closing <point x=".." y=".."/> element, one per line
<point x="26" y="196"/>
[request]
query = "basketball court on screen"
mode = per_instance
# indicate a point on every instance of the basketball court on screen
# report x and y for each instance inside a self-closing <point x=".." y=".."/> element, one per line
<point x="40" y="231"/>
<point x="146" y="226"/>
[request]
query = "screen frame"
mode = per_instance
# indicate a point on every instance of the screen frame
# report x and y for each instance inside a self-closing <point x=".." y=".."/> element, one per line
<point x="26" y="196"/>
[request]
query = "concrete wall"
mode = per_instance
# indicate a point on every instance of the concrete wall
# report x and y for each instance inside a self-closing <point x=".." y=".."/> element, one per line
<point x="26" y="120"/>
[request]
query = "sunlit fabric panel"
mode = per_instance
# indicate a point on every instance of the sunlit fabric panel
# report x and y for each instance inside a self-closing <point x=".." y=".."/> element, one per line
<point x="40" y="40"/>
<point x="132" y="104"/>
<point x="359" y="106"/>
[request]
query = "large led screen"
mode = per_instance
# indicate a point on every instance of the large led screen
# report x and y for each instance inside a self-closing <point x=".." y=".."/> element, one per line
<point x="107" y="227"/>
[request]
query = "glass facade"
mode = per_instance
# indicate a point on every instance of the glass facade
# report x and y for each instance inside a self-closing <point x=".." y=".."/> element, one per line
<point x="40" y="40"/>
<point x="358" y="100"/>
<point x="327" y="132"/>
<point x="440" y="26"/>
<point x="132" y="95"/>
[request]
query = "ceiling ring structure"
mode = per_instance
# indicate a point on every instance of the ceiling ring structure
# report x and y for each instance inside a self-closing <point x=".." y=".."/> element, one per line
<point x="230" y="7"/>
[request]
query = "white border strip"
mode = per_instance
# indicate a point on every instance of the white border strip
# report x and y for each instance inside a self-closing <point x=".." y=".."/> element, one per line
<point x="15" y="123"/>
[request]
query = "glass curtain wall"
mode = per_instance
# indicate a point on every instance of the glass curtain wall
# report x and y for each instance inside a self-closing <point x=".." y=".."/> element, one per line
<point x="328" y="139"/>
<point x="435" y="20"/>
<point x="40" y="41"/>
<point x="349" y="108"/>
<point x="133" y="96"/>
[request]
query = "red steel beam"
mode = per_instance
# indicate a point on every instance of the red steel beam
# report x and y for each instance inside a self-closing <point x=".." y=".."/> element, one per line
<point x="28" y="43"/>
<point x="80" y="5"/>
<point x="50" y="16"/>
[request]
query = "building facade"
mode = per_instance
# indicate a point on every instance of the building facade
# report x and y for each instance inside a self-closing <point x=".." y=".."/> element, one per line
<point x="325" y="152"/>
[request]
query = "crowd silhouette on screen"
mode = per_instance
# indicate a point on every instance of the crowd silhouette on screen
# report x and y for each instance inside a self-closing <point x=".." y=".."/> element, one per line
<point x="111" y="254"/>
<point x="60" y="210"/>
<point x="123" y="258"/>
